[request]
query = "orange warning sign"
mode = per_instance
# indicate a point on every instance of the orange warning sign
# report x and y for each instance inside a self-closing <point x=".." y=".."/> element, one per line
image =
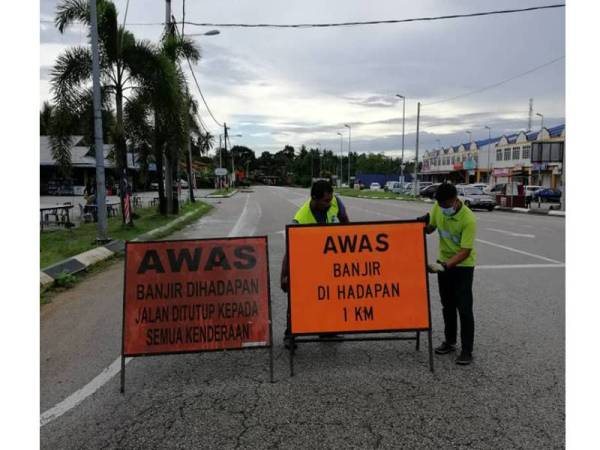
<point x="357" y="278"/>
<point x="196" y="295"/>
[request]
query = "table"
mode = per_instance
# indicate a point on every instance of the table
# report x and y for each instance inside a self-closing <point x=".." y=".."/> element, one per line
<point x="65" y="219"/>
<point x="111" y="209"/>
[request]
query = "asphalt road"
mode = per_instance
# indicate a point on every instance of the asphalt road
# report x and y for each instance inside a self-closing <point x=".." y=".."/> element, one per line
<point x="344" y="395"/>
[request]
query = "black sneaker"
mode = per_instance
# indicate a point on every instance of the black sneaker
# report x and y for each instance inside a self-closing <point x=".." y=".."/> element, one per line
<point x="444" y="348"/>
<point x="464" y="359"/>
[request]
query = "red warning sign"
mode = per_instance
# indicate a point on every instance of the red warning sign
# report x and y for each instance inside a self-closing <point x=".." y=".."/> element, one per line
<point x="196" y="295"/>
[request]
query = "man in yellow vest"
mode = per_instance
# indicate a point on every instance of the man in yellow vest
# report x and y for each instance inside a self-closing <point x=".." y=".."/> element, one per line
<point x="457" y="226"/>
<point x="323" y="207"/>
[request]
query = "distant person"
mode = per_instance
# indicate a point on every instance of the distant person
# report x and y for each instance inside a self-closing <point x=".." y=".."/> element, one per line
<point x="323" y="207"/>
<point x="457" y="227"/>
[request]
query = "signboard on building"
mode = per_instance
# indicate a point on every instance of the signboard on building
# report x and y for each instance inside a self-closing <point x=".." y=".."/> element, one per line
<point x="220" y="171"/>
<point x="501" y="172"/>
<point x="457" y="166"/>
<point x="469" y="164"/>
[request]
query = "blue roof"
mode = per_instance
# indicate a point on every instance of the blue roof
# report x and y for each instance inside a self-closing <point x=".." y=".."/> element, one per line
<point x="556" y="131"/>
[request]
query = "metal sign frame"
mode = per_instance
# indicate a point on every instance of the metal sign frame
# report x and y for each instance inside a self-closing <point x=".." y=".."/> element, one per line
<point x="301" y="338"/>
<point x="252" y="347"/>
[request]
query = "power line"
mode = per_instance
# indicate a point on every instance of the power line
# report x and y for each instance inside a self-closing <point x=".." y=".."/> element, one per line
<point x="485" y="88"/>
<point x="347" y="24"/>
<point x="198" y="86"/>
<point x="375" y="22"/>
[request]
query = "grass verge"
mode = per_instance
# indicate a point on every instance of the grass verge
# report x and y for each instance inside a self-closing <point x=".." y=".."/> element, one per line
<point x="59" y="244"/>
<point x="365" y="193"/>
<point x="225" y="191"/>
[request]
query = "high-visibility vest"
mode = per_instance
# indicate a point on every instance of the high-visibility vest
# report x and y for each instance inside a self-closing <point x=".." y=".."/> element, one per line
<point x="304" y="216"/>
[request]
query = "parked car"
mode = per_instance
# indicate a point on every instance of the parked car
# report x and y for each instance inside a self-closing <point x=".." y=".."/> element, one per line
<point x="483" y="186"/>
<point x="388" y="186"/>
<point x="474" y="197"/>
<point x="530" y="190"/>
<point x="429" y="191"/>
<point x="375" y="187"/>
<point x="396" y="187"/>
<point x="547" y="195"/>
<point x="498" y="189"/>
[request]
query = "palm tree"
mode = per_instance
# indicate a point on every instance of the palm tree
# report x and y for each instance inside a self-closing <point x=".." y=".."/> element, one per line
<point x="121" y="60"/>
<point x="207" y="142"/>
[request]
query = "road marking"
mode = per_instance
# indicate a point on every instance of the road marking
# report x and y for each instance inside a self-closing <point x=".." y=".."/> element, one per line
<point x="109" y="372"/>
<point x="241" y="220"/>
<point x="519" y="266"/>
<point x="80" y="395"/>
<point x="543" y="258"/>
<point x="510" y="233"/>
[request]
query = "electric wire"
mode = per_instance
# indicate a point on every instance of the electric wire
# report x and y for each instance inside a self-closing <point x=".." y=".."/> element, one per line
<point x="499" y="83"/>
<point x="357" y="23"/>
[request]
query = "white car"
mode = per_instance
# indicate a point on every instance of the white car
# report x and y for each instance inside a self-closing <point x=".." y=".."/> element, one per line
<point x="474" y="197"/>
<point x="375" y="187"/>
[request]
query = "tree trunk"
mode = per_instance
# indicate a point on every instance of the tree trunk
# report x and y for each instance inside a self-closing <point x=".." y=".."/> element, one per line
<point x="189" y="170"/>
<point x="169" y="180"/>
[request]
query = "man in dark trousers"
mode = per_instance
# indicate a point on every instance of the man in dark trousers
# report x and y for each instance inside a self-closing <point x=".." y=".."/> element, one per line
<point x="323" y="207"/>
<point x="457" y="226"/>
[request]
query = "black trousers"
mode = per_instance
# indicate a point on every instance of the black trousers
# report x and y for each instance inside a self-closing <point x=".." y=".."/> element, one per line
<point x="456" y="293"/>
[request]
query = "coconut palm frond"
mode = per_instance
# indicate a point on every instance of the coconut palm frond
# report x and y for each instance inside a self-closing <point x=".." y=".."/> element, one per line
<point x="72" y="70"/>
<point x="71" y="11"/>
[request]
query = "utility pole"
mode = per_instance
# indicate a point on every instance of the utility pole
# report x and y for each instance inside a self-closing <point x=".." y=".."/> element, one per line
<point x="530" y="115"/>
<point x="168" y="158"/>
<point x="341" y="158"/>
<point x="225" y="141"/>
<point x="102" y="231"/>
<point x="349" y="139"/>
<point x="416" y="182"/>
<point x="489" y="158"/>
<point x="403" y="120"/>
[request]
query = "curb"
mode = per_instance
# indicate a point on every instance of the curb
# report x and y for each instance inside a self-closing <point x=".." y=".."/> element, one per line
<point x="222" y="195"/>
<point x="82" y="261"/>
<point x="539" y="212"/>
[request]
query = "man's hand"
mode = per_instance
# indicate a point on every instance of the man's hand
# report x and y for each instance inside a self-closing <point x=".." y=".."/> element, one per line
<point x="436" y="268"/>
<point x="285" y="283"/>
<point x="424" y="218"/>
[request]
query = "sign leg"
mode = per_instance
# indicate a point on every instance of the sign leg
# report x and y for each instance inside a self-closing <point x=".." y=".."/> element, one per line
<point x="271" y="361"/>
<point x="418" y="340"/>
<point x="430" y="350"/>
<point x="122" y="374"/>
<point x="292" y="343"/>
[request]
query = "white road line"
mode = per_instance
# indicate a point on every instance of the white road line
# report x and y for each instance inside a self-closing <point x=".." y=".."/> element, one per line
<point x="108" y="373"/>
<point x="510" y="233"/>
<point x="519" y="266"/>
<point x="241" y="220"/>
<point x="543" y="258"/>
<point x="80" y="395"/>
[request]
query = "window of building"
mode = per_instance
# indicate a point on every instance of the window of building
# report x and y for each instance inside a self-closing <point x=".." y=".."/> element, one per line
<point x="526" y="151"/>
<point x="556" y="151"/>
<point x="546" y="151"/>
<point x="499" y="155"/>
<point x="507" y="154"/>
<point x="516" y="154"/>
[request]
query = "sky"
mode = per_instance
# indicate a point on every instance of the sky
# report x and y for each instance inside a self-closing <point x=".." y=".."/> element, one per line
<point x="296" y="87"/>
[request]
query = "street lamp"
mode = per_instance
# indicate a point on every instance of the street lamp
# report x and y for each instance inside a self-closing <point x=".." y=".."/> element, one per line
<point x="232" y="163"/>
<point x="403" y="118"/>
<point x="489" y="153"/>
<point x="470" y="136"/>
<point x="349" y="138"/>
<point x="341" y="156"/>
<point x="542" y="116"/>
<point x="318" y="144"/>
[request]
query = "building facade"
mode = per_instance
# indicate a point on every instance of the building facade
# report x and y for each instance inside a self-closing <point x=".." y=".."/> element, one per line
<point x="534" y="158"/>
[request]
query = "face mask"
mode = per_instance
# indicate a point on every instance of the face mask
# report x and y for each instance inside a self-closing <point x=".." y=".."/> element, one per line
<point x="448" y="211"/>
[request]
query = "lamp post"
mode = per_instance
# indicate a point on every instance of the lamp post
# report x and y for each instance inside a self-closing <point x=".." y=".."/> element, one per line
<point x="416" y="182"/>
<point x="232" y="162"/>
<point x="489" y="156"/>
<point x="403" y="119"/>
<point x="470" y="136"/>
<point x="349" y="139"/>
<point x="341" y="156"/>
<point x="542" y="124"/>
